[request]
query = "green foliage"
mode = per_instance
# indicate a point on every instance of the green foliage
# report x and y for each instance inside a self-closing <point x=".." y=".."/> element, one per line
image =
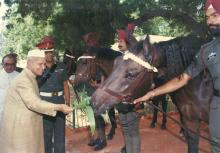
<point x="74" y="19"/>
<point x="68" y="20"/>
<point x="84" y="106"/>
<point x="24" y="36"/>
<point x="2" y="42"/>
<point x="23" y="33"/>
<point x="163" y="28"/>
<point x="80" y="17"/>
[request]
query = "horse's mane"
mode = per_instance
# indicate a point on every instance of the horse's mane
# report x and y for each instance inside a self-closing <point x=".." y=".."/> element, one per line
<point x="136" y="48"/>
<point x="104" y="53"/>
<point x="180" y="52"/>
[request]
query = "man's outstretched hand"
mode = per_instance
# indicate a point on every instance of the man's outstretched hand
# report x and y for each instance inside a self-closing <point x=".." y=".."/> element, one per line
<point x="64" y="108"/>
<point x="146" y="97"/>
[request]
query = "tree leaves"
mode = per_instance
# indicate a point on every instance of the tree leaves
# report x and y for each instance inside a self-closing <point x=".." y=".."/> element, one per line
<point x="70" y="19"/>
<point x="84" y="106"/>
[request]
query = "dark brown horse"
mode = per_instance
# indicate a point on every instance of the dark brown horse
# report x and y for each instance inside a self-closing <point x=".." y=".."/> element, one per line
<point x="70" y="59"/>
<point x="95" y="59"/>
<point x="130" y="80"/>
<point x="102" y="59"/>
<point x="159" y="100"/>
<point x="93" y="62"/>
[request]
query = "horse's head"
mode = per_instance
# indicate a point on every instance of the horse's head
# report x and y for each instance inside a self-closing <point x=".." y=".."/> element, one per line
<point x="86" y="68"/>
<point x="69" y="59"/>
<point x="128" y="79"/>
<point x="93" y="61"/>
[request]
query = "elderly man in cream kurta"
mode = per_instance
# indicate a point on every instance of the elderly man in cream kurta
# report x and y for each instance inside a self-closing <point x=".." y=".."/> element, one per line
<point x="22" y="128"/>
<point x="7" y="74"/>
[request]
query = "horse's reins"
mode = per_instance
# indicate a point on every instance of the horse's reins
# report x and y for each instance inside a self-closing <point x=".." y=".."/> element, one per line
<point x="181" y="125"/>
<point x="77" y="99"/>
<point x="123" y="97"/>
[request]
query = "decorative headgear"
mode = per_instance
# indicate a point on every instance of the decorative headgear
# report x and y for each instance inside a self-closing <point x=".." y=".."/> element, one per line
<point x="123" y="34"/>
<point x="46" y="44"/>
<point x="91" y="39"/>
<point x="36" y="53"/>
<point x="213" y="4"/>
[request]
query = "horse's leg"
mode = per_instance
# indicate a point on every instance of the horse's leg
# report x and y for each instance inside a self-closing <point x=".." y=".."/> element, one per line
<point x="111" y="114"/>
<point x="174" y="100"/>
<point x="100" y="126"/>
<point x="164" y="107"/>
<point x="154" y="119"/>
<point x="192" y="137"/>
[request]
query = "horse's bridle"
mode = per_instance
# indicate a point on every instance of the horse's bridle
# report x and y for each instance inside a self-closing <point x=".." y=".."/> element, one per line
<point x="123" y="97"/>
<point x="69" y="65"/>
<point x="89" y="68"/>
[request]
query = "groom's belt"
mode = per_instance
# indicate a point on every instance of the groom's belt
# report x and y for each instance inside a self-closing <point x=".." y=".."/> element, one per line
<point x="51" y="94"/>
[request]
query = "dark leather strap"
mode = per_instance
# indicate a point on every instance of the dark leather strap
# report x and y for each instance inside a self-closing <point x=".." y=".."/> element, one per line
<point x="115" y="94"/>
<point x="217" y="93"/>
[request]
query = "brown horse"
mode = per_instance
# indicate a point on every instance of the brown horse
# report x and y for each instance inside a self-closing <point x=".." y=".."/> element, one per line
<point x="130" y="80"/>
<point x="93" y="62"/>
<point x="95" y="59"/>
<point x="102" y="59"/>
<point x="70" y="59"/>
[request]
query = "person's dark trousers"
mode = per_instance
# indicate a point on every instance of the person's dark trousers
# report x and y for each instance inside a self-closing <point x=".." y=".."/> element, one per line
<point x="54" y="133"/>
<point x="130" y="128"/>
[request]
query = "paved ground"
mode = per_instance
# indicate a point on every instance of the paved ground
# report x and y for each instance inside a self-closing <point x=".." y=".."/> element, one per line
<point x="152" y="140"/>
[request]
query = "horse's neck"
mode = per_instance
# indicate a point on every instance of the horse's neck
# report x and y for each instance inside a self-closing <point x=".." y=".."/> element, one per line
<point x="105" y="66"/>
<point x="159" y="57"/>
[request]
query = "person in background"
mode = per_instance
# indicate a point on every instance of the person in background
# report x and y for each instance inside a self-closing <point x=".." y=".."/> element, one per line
<point x="21" y="129"/>
<point x="53" y="86"/>
<point x="129" y="119"/>
<point x="209" y="55"/>
<point x="18" y="69"/>
<point x="7" y="74"/>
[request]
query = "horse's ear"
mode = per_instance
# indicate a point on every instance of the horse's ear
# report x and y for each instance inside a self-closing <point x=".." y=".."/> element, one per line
<point x="130" y="38"/>
<point x="146" y="44"/>
<point x="66" y="51"/>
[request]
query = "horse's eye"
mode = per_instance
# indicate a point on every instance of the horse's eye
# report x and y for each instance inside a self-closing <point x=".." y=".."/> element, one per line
<point x="131" y="74"/>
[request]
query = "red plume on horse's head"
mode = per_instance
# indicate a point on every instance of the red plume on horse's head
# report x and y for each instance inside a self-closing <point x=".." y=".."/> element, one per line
<point x="131" y="27"/>
<point x="46" y="43"/>
<point x="212" y="4"/>
<point x="91" y="39"/>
